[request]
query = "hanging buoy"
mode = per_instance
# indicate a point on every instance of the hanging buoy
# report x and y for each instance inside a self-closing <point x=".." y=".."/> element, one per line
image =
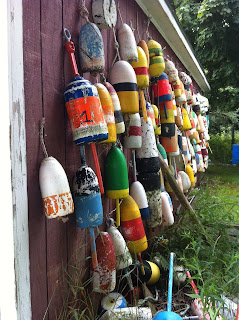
<point x="87" y="200"/>
<point x="151" y="114"/>
<point x="137" y="192"/>
<point x="186" y="121"/>
<point x="156" y="66"/>
<point x="147" y="157"/>
<point x="181" y="99"/>
<point x="108" y="110"/>
<point x="157" y="130"/>
<point x="141" y="69"/>
<point x="116" y="185"/>
<point x="104" y="13"/>
<point x="104" y="277"/>
<point x="154" y="48"/>
<point x="112" y="301"/>
<point x="162" y="90"/>
<point x="119" y="122"/>
<point x="155" y="207"/>
<point x="132" y="227"/>
<point x="127" y="44"/>
<point x="133" y="132"/>
<point x="167" y="119"/>
<point x="144" y="46"/>
<point x="185" y="181"/>
<point x="54" y="185"/>
<point x="201" y="124"/>
<point x="151" y="276"/>
<point x="55" y="189"/>
<point x="132" y="313"/>
<point x="171" y="71"/>
<point x="123" y="79"/>
<point x="170" y="144"/>
<point x="177" y="88"/>
<point x="162" y="152"/>
<point x="91" y="49"/>
<point x="167" y="215"/>
<point x="189" y="172"/>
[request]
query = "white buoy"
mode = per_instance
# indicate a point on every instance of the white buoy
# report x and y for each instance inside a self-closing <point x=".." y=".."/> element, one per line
<point x="179" y="275"/>
<point x="167" y="215"/>
<point x="127" y="44"/>
<point x="137" y="192"/>
<point x="104" y="13"/>
<point x="133" y="132"/>
<point x="131" y="313"/>
<point x="185" y="180"/>
<point x="112" y="301"/>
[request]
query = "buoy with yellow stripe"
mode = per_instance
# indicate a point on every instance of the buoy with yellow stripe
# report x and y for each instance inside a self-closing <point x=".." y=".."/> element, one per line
<point x="144" y="46"/>
<point x="133" y="132"/>
<point x="151" y="276"/>
<point x="116" y="177"/>
<point x="123" y="79"/>
<point x="155" y="49"/>
<point x="132" y="227"/>
<point x="142" y="76"/>
<point x="156" y="66"/>
<point x="108" y="110"/>
<point x="127" y="43"/>
<point x="177" y="88"/>
<point x="119" y="121"/>
<point x="167" y="119"/>
<point x="189" y="172"/>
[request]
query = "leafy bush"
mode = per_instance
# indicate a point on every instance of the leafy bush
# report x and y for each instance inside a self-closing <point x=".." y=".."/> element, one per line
<point x="221" y="146"/>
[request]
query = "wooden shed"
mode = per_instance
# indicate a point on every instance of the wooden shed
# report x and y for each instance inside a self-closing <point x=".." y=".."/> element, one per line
<point x="36" y="250"/>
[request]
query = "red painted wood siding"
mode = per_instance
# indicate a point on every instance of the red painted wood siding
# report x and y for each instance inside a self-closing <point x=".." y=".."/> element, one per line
<point x="47" y="72"/>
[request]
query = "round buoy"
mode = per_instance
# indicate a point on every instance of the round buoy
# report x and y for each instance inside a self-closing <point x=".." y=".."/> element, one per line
<point x="151" y="276"/>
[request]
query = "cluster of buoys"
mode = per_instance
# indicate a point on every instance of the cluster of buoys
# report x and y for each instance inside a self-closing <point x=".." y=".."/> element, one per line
<point x="175" y="126"/>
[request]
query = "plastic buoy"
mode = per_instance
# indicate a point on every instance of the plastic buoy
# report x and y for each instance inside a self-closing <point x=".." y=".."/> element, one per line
<point x="104" y="277"/>
<point x="151" y="276"/>
<point x="171" y="71"/>
<point x="113" y="300"/>
<point x="156" y="66"/>
<point x="177" y="88"/>
<point x="141" y="69"/>
<point x="133" y="132"/>
<point x="170" y="144"/>
<point x="179" y="276"/>
<point x="91" y="49"/>
<point x="147" y="157"/>
<point x="162" y="90"/>
<point x="119" y="122"/>
<point x="108" y="110"/>
<point x="167" y="119"/>
<point x="127" y="44"/>
<point x="123" y="79"/>
<point x="189" y="172"/>
<point x="157" y="130"/>
<point x="116" y="185"/>
<point x="162" y="152"/>
<point x="186" y="121"/>
<point x="137" y="192"/>
<point x="185" y="181"/>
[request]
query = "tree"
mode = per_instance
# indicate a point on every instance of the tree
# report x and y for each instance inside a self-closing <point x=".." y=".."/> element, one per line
<point x="212" y="27"/>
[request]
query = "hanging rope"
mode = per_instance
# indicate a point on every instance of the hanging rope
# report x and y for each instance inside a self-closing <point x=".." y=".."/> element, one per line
<point x="102" y="78"/>
<point x="42" y="138"/>
<point x="131" y="25"/>
<point x="120" y="12"/>
<point x="84" y="11"/>
<point x="147" y="31"/>
<point x="137" y="25"/>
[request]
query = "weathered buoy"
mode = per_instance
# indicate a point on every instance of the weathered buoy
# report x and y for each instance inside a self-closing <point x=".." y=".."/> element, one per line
<point x="141" y="69"/>
<point x="179" y="276"/>
<point x="154" y="48"/>
<point x="91" y="49"/>
<point x="119" y="122"/>
<point x="113" y="300"/>
<point x="151" y="276"/>
<point x="137" y="192"/>
<point x="185" y="149"/>
<point x="104" y="277"/>
<point x="167" y="119"/>
<point x="171" y="71"/>
<point x="132" y="313"/>
<point x="123" y="79"/>
<point x="162" y="90"/>
<point x="104" y="13"/>
<point x="144" y="46"/>
<point x="133" y="132"/>
<point x="116" y="185"/>
<point x="167" y="215"/>
<point x="147" y="157"/>
<point x="55" y="189"/>
<point x="132" y="227"/>
<point x="162" y="152"/>
<point x="108" y="110"/>
<point x="177" y="88"/>
<point x="150" y="181"/>
<point x="127" y="44"/>
<point x="155" y="207"/>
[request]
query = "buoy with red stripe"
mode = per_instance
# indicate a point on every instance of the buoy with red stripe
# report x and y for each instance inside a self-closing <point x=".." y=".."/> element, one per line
<point x="91" y="49"/>
<point x="104" y="277"/>
<point x="162" y="89"/>
<point x="132" y="227"/>
<point x="127" y="44"/>
<point x="54" y="185"/>
<point x="119" y="121"/>
<point x="87" y="200"/>
<point x="116" y="177"/>
<point x="151" y="114"/>
<point x="147" y="157"/>
<point x="177" y="88"/>
<point x="133" y="132"/>
<point x="144" y="46"/>
<point x="108" y="110"/>
<point x="167" y="119"/>
<point x="123" y="79"/>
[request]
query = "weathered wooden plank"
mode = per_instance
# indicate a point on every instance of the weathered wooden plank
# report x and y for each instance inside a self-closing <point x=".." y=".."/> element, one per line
<point x="33" y="105"/>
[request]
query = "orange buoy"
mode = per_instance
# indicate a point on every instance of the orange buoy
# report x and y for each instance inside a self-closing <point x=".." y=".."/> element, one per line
<point x="144" y="46"/>
<point x="108" y="110"/>
<point x="170" y="144"/>
<point x="123" y="79"/>
<point x="162" y="90"/>
<point x="133" y="132"/>
<point x="127" y="43"/>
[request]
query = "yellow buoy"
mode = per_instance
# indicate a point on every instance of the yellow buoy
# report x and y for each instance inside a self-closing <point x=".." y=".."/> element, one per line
<point x="186" y="121"/>
<point x="156" y="66"/>
<point x="189" y="172"/>
<point x="144" y="46"/>
<point x="155" y="48"/>
<point x="141" y="69"/>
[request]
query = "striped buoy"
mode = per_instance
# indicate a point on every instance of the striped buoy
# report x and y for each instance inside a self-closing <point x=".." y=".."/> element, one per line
<point x="141" y="69"/>
<point x="151" y="276"/>
<point x="133" y="132"/>
<point x="156" y="66"/>
<point x="127" y="44"/>
<point x="180" y="100"/>
<point x="147" y="157"/>
<point x="85" y="111"/>
<point x="132" y="313"/>
<point x="150" y="181"/>
<point x="113" y="300"/>
<point x="185" y="149"/>
<point x="167" y="215"/>
<point x="104" y="277"/>
<point x="91" y="49"/>
<point x="119" y="122"/>
<point x="162" y="89"/>
<point x="144" y="46"/>
<point x="108" y="110"/>
<point x="116" y="185"/>
<point x="55" y="189"/>
<point x="177" y="88"/>
<point x="154" y="48"/>
<point x="162" y="152"/>
<point x="123" y="79"/>
<point x="151" y="114"/>
<point x="137" y="192"/>
<point x="132" y="226"/>
<point x="122" y="254"/>
<point x="167" y="119"/>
